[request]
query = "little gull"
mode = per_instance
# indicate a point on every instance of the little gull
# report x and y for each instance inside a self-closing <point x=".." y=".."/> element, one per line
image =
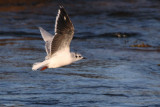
<point x="58" y="46"/>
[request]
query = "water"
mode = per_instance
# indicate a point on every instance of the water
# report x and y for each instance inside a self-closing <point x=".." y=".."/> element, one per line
<point x="114" y="73"/>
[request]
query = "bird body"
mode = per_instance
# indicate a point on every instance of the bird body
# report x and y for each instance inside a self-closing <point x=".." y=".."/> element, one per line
<point x="58" y="46"/>
<point x="60" y="58"/>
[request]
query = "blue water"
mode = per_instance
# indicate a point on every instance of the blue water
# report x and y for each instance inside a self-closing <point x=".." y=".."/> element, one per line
<point x="114" y="73"/>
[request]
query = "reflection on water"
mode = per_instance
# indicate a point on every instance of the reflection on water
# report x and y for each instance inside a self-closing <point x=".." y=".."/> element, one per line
<point x="114" y="73"/>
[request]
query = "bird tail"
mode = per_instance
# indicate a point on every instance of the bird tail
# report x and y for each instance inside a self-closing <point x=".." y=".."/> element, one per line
<point x="38" y="65"/>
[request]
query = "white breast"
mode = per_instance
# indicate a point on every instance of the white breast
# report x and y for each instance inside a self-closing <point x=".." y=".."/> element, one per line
<point x="61" y="58"/>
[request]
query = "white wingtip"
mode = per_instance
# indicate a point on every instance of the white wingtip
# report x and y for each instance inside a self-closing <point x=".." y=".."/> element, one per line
<point x="45" y="35"/>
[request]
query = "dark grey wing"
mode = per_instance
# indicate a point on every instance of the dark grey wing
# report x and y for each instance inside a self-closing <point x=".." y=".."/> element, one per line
<point x="64" y="31"/>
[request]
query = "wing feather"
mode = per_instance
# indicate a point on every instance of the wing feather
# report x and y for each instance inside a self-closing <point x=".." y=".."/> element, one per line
<point x="47" y="37"/>
<point x="64" y="31"/>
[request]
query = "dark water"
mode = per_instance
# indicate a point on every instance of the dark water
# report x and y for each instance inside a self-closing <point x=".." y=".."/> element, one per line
<point x="114" y="73"/>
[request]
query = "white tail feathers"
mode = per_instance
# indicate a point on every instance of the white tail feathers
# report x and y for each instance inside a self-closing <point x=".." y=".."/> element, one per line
<point x="39" y="65"/>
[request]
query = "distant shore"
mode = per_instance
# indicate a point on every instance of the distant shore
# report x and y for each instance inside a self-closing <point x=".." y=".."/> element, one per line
<point x="20" y="5"/>
<point x="21" y="2"/>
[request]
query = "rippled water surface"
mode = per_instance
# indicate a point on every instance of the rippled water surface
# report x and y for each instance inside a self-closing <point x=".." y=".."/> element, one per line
<point x="116" y="71"/>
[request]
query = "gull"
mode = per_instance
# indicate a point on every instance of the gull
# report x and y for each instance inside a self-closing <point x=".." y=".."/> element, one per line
<point x="58" y="46"/>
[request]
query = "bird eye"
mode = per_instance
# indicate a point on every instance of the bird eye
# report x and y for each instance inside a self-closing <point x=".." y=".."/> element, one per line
<point x="76" y="56"/>
<point x="79" y="56"/>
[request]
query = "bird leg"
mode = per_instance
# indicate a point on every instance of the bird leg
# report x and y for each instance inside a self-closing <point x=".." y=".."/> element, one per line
<point x="45" y="67"/>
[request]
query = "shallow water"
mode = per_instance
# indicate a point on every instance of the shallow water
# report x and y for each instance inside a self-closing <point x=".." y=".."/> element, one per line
<point x="114" y="73"/>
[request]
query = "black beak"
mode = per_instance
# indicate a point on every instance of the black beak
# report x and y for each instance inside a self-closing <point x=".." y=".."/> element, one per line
<point x="84" y="58"/>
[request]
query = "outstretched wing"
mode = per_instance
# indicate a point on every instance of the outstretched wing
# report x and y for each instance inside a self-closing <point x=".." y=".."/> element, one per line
<point x="47" y="37"/>
<point x="64" y="31"/>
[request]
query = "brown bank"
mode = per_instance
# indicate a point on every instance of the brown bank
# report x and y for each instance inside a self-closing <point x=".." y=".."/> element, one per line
<point x="18" y="5"/>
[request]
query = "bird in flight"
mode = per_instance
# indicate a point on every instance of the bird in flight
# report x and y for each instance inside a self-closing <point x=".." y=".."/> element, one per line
<point x="58" y="46"/>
